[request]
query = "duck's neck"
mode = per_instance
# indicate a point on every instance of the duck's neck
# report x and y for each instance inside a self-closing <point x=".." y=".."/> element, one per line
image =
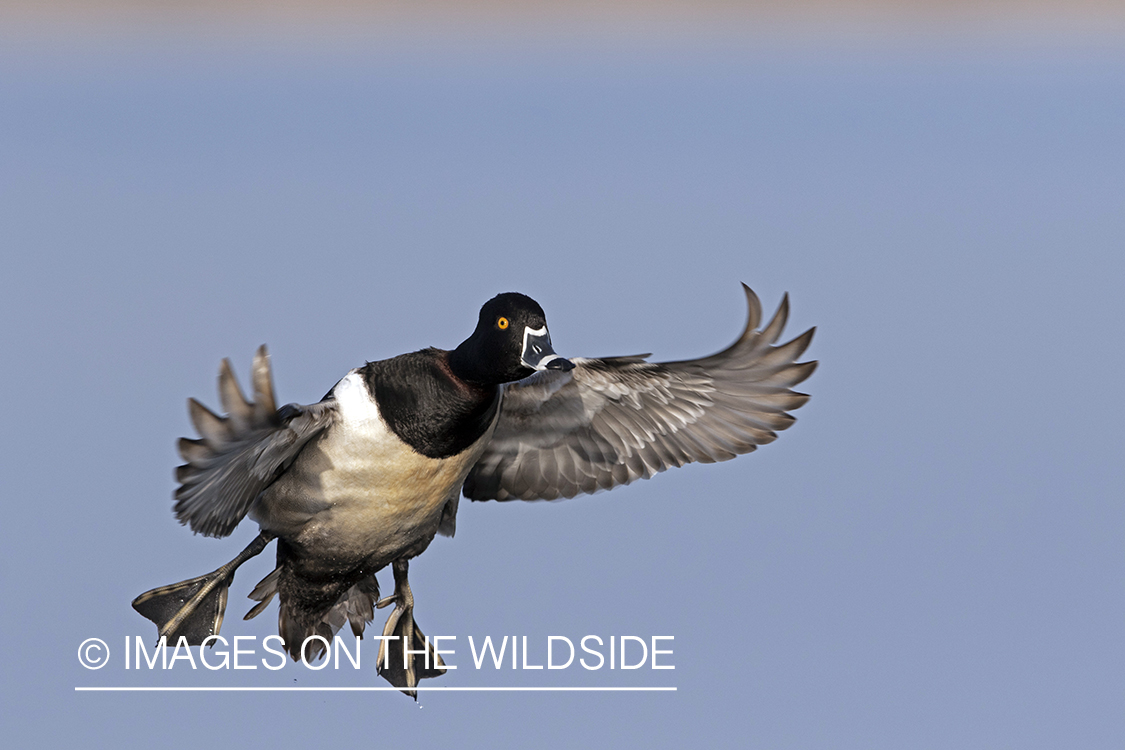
<point x="467" y="364"/>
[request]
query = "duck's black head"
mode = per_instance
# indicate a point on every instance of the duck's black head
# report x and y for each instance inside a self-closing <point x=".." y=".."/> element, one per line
<point x="510" y="342"/>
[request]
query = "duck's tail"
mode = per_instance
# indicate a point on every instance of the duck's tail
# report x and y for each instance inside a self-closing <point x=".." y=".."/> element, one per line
<point x="309" y="613"/>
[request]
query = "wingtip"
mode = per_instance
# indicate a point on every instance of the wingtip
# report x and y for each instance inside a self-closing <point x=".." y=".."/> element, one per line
<point x="230" y="394"/>
<point x="772" y="332"/>
<point x="753" y="310"/>
<point x="803" y="371"/>
<point x="265" y="401"/>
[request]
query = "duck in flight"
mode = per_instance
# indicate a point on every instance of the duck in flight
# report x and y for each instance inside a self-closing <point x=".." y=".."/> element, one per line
<point x="368" y="476"/>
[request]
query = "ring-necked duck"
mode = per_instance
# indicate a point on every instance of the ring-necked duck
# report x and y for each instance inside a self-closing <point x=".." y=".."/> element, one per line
<point x="366" y="477"/>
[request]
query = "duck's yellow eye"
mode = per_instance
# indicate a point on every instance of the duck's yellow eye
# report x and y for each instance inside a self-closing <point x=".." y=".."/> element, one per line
<point x="502" y="323"/>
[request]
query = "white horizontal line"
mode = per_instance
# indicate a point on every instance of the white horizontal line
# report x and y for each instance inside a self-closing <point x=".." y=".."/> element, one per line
<point x="367" y="689"/>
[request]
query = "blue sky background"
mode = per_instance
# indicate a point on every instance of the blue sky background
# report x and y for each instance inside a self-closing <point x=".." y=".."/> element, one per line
<point x="930" y="558"/>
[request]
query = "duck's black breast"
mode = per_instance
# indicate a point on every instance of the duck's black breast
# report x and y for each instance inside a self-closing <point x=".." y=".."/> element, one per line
<point x="427" y="406"/>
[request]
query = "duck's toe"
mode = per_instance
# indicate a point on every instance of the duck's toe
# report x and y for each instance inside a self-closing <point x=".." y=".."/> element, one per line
<point x="405" y="654"/>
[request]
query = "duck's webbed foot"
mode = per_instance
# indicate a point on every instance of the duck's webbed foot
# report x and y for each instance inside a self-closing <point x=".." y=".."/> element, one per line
<point x="194" y="609"/>
<point x="405" y="655"/>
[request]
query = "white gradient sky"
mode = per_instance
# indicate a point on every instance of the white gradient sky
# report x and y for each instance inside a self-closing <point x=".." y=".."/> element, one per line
<point x="932" y="556"/>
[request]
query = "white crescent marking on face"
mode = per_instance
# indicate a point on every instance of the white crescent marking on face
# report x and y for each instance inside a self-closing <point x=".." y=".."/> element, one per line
<point x="528" y="332"/>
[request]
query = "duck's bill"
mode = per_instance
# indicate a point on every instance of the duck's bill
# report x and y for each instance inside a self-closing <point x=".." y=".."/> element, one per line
<point x="538" y="353"/>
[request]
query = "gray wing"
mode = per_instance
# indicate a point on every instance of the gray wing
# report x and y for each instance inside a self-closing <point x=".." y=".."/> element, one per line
<point x="239" y="455"/>
<point x="611" y="421"/>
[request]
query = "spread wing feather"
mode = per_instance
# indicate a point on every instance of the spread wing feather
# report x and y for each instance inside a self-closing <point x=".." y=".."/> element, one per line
<point x="612" y="421"/>
<point x="239" y="455"/>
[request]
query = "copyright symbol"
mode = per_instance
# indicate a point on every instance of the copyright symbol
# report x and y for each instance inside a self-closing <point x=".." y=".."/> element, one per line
<point x="93" y="653"/>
